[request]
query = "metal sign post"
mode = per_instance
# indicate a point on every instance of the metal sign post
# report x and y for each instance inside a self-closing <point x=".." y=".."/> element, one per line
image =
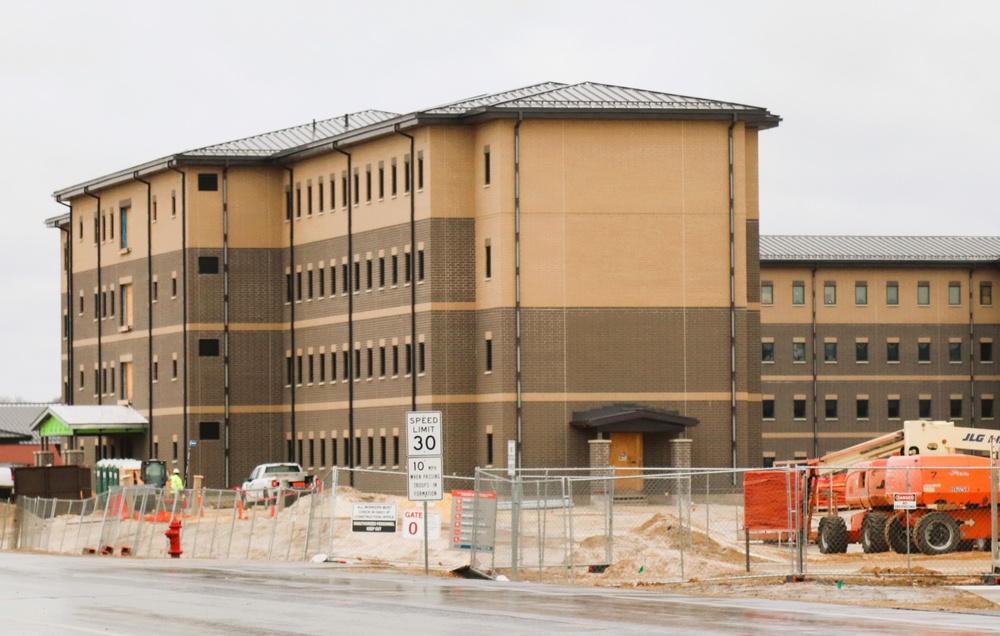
<point x="423" y="464"/>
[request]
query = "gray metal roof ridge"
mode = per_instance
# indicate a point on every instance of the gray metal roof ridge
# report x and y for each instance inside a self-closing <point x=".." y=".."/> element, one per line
<point x="859" y="248"/>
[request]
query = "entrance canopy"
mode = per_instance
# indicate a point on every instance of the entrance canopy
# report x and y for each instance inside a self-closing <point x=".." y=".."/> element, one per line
<point x="631" y="418"/>
<point x="60" y="420"/>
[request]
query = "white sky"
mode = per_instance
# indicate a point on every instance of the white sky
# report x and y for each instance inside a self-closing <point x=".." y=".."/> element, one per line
<point x="890" y="123"/>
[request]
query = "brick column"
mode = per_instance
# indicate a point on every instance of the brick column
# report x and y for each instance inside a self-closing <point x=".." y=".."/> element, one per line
<point x="680" y="453"/>
<point x="44" y="458"/>
<point x="600" y="466"/>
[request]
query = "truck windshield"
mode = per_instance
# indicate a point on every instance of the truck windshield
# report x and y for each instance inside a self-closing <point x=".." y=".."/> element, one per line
<point x="270" y="470"/>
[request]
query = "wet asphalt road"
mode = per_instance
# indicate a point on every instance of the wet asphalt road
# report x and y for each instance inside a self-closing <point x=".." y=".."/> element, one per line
<point x="44" y="594"/>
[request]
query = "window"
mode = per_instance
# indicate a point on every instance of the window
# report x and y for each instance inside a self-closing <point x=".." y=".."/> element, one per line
<point x="309" y="198"/>
<point x="208" y="347"/>
<point x="173" y="369"/>
<point x="489" y="354"/>
<point x="309" y="284"/>
<point x="486" y="165"/>
<point x="322" y="281"/>
<point x="892" y="351"/>
<point x="420" y="170"/>
<point x="923" y="293"/>
<point x="347" y="365"/>
<point x="767" y="352"/>
<point x="954" y="293"/>
<point x="357" y="364"/>
<point x="395" y="360"/>
<point x="173" y="203"/>
<point x="861" y="352"/>
<point x="986" y="351"/>
<point x="395" y="450"/>
<point x="368" y="183"/>
<point x="985" y="293"/>
<point x="860" y="293"/>
<point x="319" y="202"/>
<point x="126" y="383"/>
<point x="357" y="187"/>
<point x="395" y="269"/>
<point x="954" y="352"/>
<point x="406" y="174"/>
<point x="422" y="358"/>
<point x="368" y="270"/>
<point x="799" y="408"/>
<point x="798" y="352"/>
<point x="829" y="352"/>
<point x="370" y="358"/>
<point x="392" y="177"/>
<point x="289" y="370"/>
<point x="298" y="286"/>
<point x="333" y="193"/>
<point x="986" y="408"/>
<point x="208" y="430"/>
<point x="125" y="213"/>
<point x="924" y="408"/>
<point x="798" y="293"/>
<point x="923" y="352"/>
<point x="156" y="370"/>
<point x="288" y="203"/>
<point x="173" y="286"/>
<point x="489" y="449"/>
<point x="409" y="267"/>
<point x="357" y="276"/>
<point x="893" y="408"/>
<point x="298" y="201"/>
<point x="126" y="314"/>
<point x="345" y="282"/>
<point x="861" y="408"/>
<point x="420" y="265"/>
<point x="312" y="367"/>
<point x="156" y="290"/>
<point x="830" y="408"/>
<point x="489" y="260"/>
<point x="767" y="293"/>
<point x="322" y="367"/>
<point x="298" y="369"/>
<point x="409" y="358"/>
<point x="333" y="367"/>
<point x="892" y="293"/>
<point x="343" y="189"/>
<point x="208" y="182"/>
<point x="289" y="289"/>
<point x="381" y="195"/>
<point x="829" y="293"/>
<point x="208" y="264"/>
<point x="955" y="408"/>
<point x="767" y="408"/>
<point x="381" y="362"/>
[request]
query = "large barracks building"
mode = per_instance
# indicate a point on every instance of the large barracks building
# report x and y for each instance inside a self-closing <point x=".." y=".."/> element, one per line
<point x="549" y="265"/>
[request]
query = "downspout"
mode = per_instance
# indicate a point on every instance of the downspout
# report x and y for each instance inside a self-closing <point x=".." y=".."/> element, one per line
<point x="972" y="355"/>
<point x="815" y="369"/>
<point x="225" y="320"/>
<point x="97" y="311"/>
<point x="413" y="270"/>
<point x="732" y="296"/>
<point x="184" y="317"/>
<point x="519" y="410"/>
<point x="69" y="306"/>
<point x="149" y="300"/>
<point x="290" y="213"/>
<point x="350" y="312"/>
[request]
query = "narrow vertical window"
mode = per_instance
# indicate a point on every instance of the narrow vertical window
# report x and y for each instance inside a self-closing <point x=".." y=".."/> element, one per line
<point x="486" y="165"/>
<point x="381" y="185"/>
<point x="798" y="293"/>
<point x="408" y="267"/>
<point x="392" y="178"/>
<point x="420" y="265"/>
<point x="288" y="203"/>
<point x="986" y="294"/>
<point x="381" y="272"/>
<point x="923" y="293"/>
<point x="406" y="174"/>
<point x="298" y="369"/>
<point x="395" y="360"/>
<point x="123" y="235"/>
<point x="829" y="293"/>
<point x="381" y="361"/>
<point x="395" y="269"/>
<point x="422" y="358"/>
<point x="370" y="358"/>
<point x="312" y="368"/>
<point x="420" y="170"/>
<point x="357" y="364"/>
<point x="357" y="276"/>
<point x="309" y="199"/>
<point x="346" y="279"/>
<point x="356" y="184"/>
<point x="319" y="192"/>
<point x="343" y="189"/>
<point x="489" y="355"/>
<point x="892" y="293"/>
<point x="289" y="370"/>
<point x="309" y="279"/>
<point x="322" y="367"/>
<point x="368" y="183"/>
<point x="368" y="271"/>
<point x="322" y="282"/>
<point x="954" y="293"/>
<point x="289" y="290"/>
<point x="347" y="365"/>
<point x="860" y="293"/>
<point x="489" y="449"/>
<point x="767" y="293"/>
<point x="298" y="286"/>
<point x="298" y="201"/>
<point x="489" y="260"/>
<point x="409" y="358"/>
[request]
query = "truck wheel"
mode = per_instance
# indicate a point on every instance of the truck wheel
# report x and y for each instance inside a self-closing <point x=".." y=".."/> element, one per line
<point x="937" y="533"/>
<point x="873" y="532"/>
<point x="832" y="535"/>
<point x="895" y="536"/>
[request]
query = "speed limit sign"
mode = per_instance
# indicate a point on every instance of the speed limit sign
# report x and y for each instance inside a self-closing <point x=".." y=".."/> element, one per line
<point x="423" y="433"/>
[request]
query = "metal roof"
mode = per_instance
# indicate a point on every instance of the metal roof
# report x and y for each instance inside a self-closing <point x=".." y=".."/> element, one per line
<point x="267" y="144"/>
<point x="16" y="421"/>
<point x="586" y="99"/>
<point x="85" y="416"/>
<point x="977" y="249"/>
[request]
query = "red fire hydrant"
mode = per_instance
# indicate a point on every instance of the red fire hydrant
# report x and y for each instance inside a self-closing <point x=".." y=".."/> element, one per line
<point x="174" y="535"/>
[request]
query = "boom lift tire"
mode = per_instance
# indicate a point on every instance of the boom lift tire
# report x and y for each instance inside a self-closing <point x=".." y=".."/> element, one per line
<point x="873" y="532"/>
<point x="937" y="533"/>
<point x="832" y="535"/>
<point x="895" y="536"/>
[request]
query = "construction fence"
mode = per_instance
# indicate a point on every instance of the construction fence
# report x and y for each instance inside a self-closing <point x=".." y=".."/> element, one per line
<point x="582" y="526"/>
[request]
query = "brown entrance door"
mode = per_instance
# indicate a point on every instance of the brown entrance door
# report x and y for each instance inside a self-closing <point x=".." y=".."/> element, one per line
<point x="626" y="459"/>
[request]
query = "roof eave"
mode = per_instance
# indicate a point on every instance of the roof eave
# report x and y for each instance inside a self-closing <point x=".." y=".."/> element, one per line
<point x="351" y="137"/>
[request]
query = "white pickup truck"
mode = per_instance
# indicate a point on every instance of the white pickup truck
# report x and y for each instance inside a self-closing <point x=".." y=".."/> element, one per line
<point x="268" y="480"/>
<point x="6" y="482"/>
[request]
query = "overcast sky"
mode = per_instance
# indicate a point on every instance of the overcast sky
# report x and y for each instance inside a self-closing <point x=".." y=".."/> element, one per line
<point x="889" y="108"/>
